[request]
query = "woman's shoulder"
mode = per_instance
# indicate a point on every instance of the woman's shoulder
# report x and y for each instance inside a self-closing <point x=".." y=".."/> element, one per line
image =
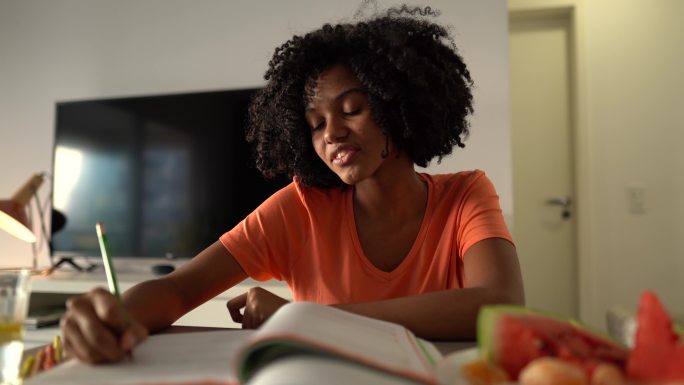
<point x="297" y="195"/>
<point x="316" y="195"/>
<point x="458" y="179"/>
<point x="460" y="185"/>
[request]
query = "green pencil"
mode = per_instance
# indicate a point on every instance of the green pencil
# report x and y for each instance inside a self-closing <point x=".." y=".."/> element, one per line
<point x="112" y="281"/>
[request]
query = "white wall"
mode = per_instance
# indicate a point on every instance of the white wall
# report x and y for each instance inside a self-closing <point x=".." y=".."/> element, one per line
<point x="82" y="49"/>
<point x="630" y="123"/>
<point x="634" y="101"/>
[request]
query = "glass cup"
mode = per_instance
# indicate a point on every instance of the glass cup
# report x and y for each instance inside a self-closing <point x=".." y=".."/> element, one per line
<point x="14" y="300"/>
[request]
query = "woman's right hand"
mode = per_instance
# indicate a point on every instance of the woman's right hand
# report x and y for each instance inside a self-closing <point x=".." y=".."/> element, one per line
<point x="96" y="328"/>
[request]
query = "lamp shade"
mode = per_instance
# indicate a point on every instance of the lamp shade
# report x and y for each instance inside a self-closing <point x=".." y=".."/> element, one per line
<point x="13" y="220"/>
<point x="13" y="217"/>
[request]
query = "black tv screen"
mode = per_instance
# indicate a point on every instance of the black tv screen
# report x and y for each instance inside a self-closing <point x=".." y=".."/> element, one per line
<point x="166" y="174"/>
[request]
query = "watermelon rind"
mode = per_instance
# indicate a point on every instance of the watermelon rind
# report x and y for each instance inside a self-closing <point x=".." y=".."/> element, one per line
<point x="489" y="314"/>
<point x="486" y="322"/>
<point x="679" y="329"/>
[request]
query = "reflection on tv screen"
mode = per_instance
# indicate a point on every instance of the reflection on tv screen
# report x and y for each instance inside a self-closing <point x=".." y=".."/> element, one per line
<point x="166" y="174"/>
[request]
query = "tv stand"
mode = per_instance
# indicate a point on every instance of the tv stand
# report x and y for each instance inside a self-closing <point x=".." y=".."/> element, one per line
<point x="70" y="262"/>
<point x="54" y="289"/>
<point x="63" y="283"/>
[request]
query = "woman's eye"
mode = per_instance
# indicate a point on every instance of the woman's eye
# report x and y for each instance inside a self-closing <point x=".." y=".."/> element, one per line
<point x="317" y="126"/>
<point x="352" y="112"/>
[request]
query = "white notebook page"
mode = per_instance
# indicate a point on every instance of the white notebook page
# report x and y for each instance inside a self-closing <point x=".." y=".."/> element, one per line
<point x="161" y="358"/>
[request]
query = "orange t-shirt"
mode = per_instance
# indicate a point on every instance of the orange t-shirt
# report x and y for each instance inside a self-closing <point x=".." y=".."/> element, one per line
<point x="307" y="237"/>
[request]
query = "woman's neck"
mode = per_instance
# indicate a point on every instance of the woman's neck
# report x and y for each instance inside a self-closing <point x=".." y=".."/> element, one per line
<point x="397" y="193"/>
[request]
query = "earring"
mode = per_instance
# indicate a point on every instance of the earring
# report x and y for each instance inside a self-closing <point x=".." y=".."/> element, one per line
<point x="385" y="153"/>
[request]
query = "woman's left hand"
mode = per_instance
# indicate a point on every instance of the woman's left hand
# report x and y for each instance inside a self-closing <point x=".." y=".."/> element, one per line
<point x="259" y="304"/>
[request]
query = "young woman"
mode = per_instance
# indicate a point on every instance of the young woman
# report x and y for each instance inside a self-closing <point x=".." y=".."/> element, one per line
<point x="347" y="112"/>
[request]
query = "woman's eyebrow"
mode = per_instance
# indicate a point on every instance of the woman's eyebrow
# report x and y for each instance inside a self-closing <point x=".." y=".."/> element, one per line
<point x="349" y="91"/>
<point x="340" y="96"/>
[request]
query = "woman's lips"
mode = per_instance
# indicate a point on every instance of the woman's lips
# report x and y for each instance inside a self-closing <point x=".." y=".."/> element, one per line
<point x="344" y="156"/>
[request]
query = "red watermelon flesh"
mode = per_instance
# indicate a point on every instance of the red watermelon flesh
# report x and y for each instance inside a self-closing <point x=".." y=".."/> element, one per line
<point x="658" y="354"/>
<point x="521" y="338"/>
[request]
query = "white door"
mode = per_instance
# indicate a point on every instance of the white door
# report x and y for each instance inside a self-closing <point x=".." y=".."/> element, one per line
<point x="543" y="223"/>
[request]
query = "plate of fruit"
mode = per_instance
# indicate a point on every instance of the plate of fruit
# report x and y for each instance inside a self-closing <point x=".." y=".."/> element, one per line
<point x="518" y="345"/>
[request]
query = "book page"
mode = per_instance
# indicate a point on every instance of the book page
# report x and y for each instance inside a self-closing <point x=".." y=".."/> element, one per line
<point x="369" y="341"/>
<point x="311" y="370"/>
<point x="162" y="358"/>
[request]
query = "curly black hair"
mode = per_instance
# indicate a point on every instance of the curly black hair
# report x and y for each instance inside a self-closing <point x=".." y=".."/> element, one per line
<point x="418" y="86"/>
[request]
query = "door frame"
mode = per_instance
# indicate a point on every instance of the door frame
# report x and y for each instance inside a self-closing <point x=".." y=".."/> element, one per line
<point x="581" y="159"/>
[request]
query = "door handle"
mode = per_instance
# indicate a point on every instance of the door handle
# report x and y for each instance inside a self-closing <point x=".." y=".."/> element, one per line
<point x="565" y="202"/>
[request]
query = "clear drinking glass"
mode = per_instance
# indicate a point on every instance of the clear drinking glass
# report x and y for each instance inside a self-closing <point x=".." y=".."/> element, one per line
<point x="14" y="299"/>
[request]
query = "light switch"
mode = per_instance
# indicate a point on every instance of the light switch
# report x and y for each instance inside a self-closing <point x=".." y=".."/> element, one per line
<point x="636" y="200"/>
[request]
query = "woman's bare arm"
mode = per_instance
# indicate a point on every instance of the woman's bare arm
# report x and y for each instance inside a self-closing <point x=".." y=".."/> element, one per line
<point x="160" y="302"/>
<point x="492" y="275"/>
<point x="96" y="328"/>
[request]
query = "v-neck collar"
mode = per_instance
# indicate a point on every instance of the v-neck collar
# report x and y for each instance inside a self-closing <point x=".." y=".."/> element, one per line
<point x="415" y="247"/>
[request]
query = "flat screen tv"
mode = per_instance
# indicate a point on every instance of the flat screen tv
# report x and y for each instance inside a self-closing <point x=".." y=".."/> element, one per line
<point x="166" y="174"/>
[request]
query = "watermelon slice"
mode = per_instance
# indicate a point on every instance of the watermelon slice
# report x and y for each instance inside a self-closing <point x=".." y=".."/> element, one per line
<point x="658" y="354"/>
<point x="512" y="336"/>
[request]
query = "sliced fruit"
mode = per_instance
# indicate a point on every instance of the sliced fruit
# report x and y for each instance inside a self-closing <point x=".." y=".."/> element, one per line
<point x="513" y="336"/>
<point x="658" y="354"/>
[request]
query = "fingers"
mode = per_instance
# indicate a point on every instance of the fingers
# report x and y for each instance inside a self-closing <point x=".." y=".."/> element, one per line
<point x="250" y="314"/>
<point x="86" y="336"/>
<point x="255" y="312"/>
<point x="96" y="328"/>
<point x="108" y="309"/>
<point x="258" y="305"/>
<point x="138" y="333"/>
<point x="75" y="344"/>
<point x="245" y="318"/>
<point x="132" y="336"/>
<point x="234" y="306"/>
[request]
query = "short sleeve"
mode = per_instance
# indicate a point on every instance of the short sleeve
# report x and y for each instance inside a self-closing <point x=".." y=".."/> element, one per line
<point x="480" y="214"/>
<point x="267" y="240"/>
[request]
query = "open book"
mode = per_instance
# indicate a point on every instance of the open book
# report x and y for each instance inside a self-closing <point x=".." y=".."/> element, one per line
<point x="302" y="343"/>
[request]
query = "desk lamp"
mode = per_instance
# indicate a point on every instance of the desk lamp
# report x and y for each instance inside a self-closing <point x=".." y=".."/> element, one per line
<point x="13" y="211"/>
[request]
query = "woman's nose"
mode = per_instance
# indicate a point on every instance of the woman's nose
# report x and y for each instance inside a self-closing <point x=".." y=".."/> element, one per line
<point x="335" y="130"/>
